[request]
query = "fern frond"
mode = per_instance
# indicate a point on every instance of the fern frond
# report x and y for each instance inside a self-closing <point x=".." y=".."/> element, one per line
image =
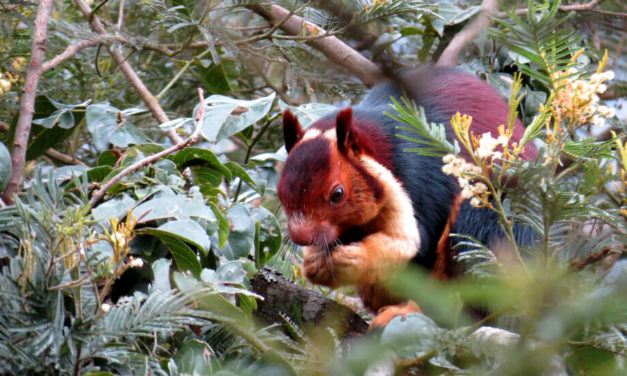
<point x="543" y="39"/>
<point x="382" y="9"/>
<point x="431" y="136"/>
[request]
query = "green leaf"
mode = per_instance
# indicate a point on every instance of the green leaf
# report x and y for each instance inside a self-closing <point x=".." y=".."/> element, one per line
<point x="212" y="301"/>
<point x="223" y="225"/>
<point x="450" y="14"/>
<point x="194" y="358"/>
<point x="241" y="173"/>
<point x="242" y="232"/>
<point x="164" y="207"/>
<point x="256" y="109"/>
<point x="410" y="337"/>
<point x="184" y="230"/>
<point x="269" y="235"/>
<point x="42" y="138"/>
<point x="107" y="158"/>
<point x="218" y="123"/>
<point x="220" y="78"/>
<point x="209" y="169"/>
<point x="184" y="258"/>
<point x="5" y="166"/>
<point x="502" y="82"/>
<point x="113" y="208"/>
<point x="231" y="272"/>
<point x="541" y="38"/>
<point x="431" y="136"/>
<point x="98" y="174"/>
<point x="161" y="272"/>
<point x="62" y="118"/>
<point x="108" y="126"/>
<point x="589" y="361"/>
<point x="410" y="30"/>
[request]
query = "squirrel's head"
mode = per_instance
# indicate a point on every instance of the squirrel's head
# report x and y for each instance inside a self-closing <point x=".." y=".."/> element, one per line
<point x="326" y="187"/>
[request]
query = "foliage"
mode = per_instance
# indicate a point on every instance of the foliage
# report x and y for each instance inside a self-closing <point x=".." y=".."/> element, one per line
<point x="155" y="278"/>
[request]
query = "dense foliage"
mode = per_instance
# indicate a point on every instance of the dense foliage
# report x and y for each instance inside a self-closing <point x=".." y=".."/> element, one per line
<point x="152" y="275"/>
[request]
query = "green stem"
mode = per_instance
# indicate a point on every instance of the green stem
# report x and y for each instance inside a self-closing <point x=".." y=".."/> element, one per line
<point x="179" y="74"/>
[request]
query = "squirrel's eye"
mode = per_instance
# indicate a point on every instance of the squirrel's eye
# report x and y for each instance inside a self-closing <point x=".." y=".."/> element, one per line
<point x="337" y="194"/>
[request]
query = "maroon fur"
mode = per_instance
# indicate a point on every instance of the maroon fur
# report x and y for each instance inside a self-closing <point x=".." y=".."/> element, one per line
<point x="292" y="131"/>
<point x="450" y="93"/>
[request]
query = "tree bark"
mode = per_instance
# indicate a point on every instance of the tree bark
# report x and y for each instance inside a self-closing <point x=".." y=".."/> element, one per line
<point x="283" y="298"/>
<point x="337" y="51"/>
<point x="27" y="103"/>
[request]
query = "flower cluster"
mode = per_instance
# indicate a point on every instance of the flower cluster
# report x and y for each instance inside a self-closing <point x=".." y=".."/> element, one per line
<point x="477" y="192"/>
<point x="577" y="100"/>
<point x="488" y="144"/>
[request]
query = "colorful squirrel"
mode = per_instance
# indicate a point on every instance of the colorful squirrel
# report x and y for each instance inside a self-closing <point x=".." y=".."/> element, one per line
<point x="362" y="206"/>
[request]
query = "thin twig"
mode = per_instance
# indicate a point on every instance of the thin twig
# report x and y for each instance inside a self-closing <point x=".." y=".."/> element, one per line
<point x="27" y="103"/>
<point x="120" y="16"/>
<point x="179" y="74"/>
<point x="128" y="71"/>
<point x="74" y="48"/>
<point x="565" y="8"/>
<point x="155" y="157"/>
<point x="61" y="157"/>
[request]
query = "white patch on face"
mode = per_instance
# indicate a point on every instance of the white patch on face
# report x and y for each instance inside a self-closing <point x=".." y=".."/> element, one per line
<point x="311" y="133"/>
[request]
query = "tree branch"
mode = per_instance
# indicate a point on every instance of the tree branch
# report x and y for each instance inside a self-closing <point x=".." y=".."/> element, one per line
<point x="27" y="104"/>
<point x="74" y="48"/>
<point x="574" y="7"/>
<point x="67" y="159"/>
<point x="129" y="72"/>
<point x="283" y="298"/>
<point x="482" y="20"/>
<point x="333" y="48"/>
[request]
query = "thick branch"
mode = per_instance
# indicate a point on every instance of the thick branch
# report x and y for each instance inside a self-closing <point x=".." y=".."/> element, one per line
<point x="285" y="299"/>
<point x="336" y="50"/>
<point x="129" y="72"/>
<point x="468" y="33"/>
<point x="27" y="104"/>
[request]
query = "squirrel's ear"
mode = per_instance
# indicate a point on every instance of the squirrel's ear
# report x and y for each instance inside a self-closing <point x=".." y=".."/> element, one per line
<point x="347" y="137"/>
<point x="292" y="131"/>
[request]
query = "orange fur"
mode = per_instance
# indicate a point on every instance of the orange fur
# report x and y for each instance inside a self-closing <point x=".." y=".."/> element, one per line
<point x="392" y="242"/>
<point x="386" y="314"/>
<point x="443" y="268"/>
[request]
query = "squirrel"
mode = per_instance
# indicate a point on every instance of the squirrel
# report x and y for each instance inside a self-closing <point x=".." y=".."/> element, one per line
<point x="361" y="206"/>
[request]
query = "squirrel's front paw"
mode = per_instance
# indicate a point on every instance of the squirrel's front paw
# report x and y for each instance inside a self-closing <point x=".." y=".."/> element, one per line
<point x="338" y="266"/>
<point x="349" y="262"/>
<point x="318" y="267"/>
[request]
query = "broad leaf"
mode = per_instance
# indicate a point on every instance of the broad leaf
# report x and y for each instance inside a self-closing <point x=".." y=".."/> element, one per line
<point x="184" y="230"/>
<point x="242" y="232"/>
<point x="5" y="166"/>
<point x="108" y="126"/>
<point x="166" y="206"/>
